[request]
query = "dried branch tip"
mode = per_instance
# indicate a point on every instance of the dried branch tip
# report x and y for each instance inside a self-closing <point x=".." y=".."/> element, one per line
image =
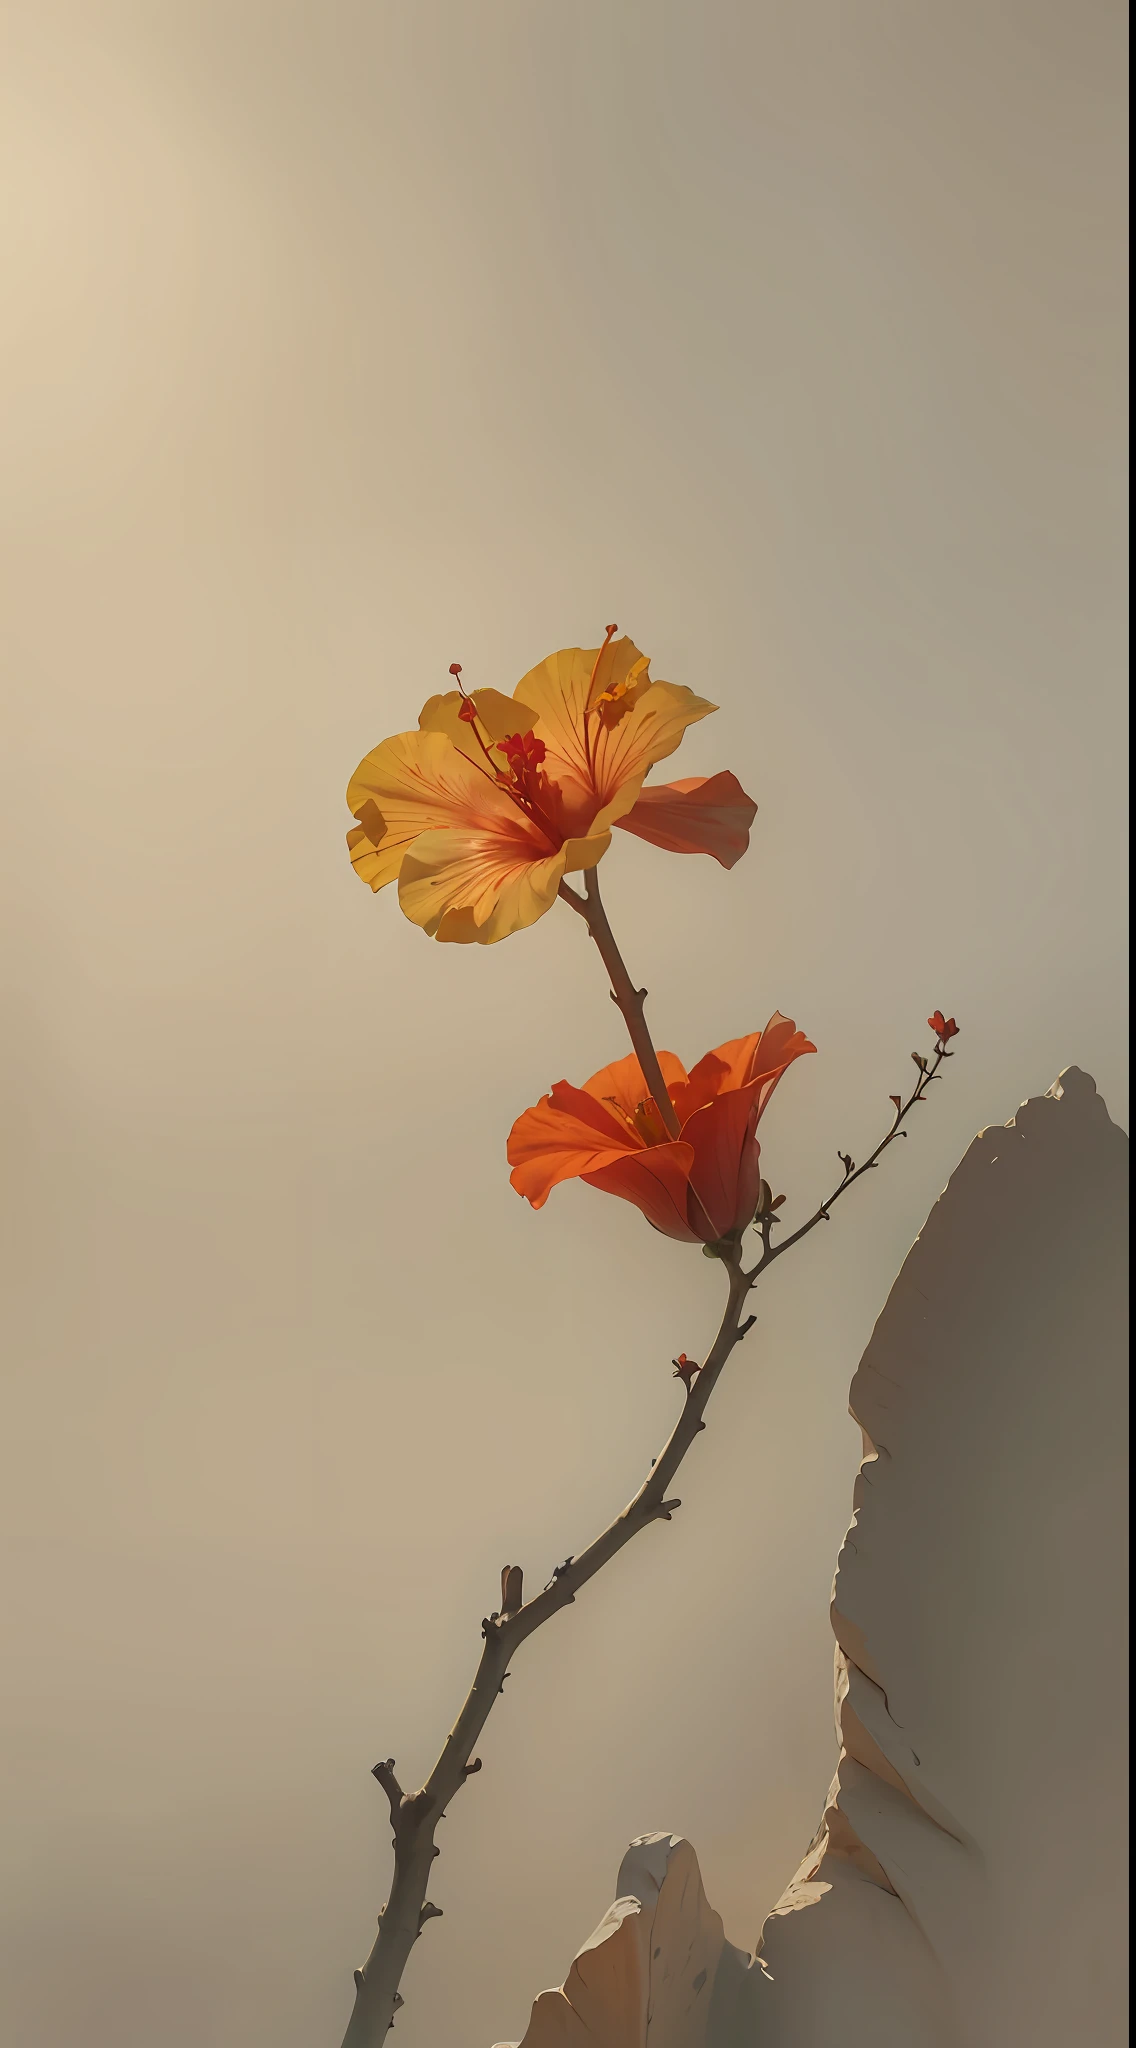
<point x="384" y="1772"/>
<point x="512" y="1590"/>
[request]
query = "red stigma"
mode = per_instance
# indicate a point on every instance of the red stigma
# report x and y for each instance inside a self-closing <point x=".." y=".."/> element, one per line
<point x="455" y="668"/>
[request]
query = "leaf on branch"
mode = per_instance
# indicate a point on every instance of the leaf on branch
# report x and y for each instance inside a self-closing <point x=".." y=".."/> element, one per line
<point x="897" y="1099"/>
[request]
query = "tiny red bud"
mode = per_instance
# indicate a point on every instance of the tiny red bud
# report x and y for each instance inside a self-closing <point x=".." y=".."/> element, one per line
<point x="943" y="1027"/>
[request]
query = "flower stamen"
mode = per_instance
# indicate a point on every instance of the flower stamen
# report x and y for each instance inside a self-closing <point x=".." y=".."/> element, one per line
<point x="645" y="1123"/>
<point x="526" y="781"/>
<point x="608" y="633"/>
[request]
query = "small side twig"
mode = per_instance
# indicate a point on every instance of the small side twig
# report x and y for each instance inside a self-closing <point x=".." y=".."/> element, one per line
<point x="928" y="1070"/>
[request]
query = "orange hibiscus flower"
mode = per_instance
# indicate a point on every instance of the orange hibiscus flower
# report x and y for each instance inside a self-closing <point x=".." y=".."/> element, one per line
<point x="481" y="813"/>
<point x="703" y="1185"/>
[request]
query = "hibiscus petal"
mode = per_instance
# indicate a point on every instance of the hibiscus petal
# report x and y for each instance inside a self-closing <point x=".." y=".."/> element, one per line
<point x="415" y="783"/>
<point x="585" y="853"/>
<point x="656" y="1181"/>
<point x="371" y="866"/>
<point x="703" y="814"/>
<point x="498" y="877"/>
<point x="565" y="1135"/>
<point x="724" y="1178"/>
<point x="761" y="1055"/>
<point x="649" y="731"/>
<point x="623" y="1082"/>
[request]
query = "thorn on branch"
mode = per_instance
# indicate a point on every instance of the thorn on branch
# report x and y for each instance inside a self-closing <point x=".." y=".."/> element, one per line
<point x="745" y="1328"/>
<point x="428" y="1912"/>
<point x="847" y="1162"/>
<point x="470" y="1770"/>
<point x="358" y="1976"/>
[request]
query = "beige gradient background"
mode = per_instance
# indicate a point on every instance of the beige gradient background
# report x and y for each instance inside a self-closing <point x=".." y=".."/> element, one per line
<point x="343" y="340"/>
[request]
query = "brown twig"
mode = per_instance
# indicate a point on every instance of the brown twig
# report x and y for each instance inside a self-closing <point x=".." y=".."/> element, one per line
<point x="415" y="1817"/>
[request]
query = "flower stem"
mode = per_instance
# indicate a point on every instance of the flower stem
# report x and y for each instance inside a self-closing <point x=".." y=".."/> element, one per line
<point x="629" y="999"/>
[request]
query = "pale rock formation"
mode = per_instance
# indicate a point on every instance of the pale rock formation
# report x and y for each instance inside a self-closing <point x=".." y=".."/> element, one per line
<point x="648" y="1972"/>
<point x="967" y="1885"/>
